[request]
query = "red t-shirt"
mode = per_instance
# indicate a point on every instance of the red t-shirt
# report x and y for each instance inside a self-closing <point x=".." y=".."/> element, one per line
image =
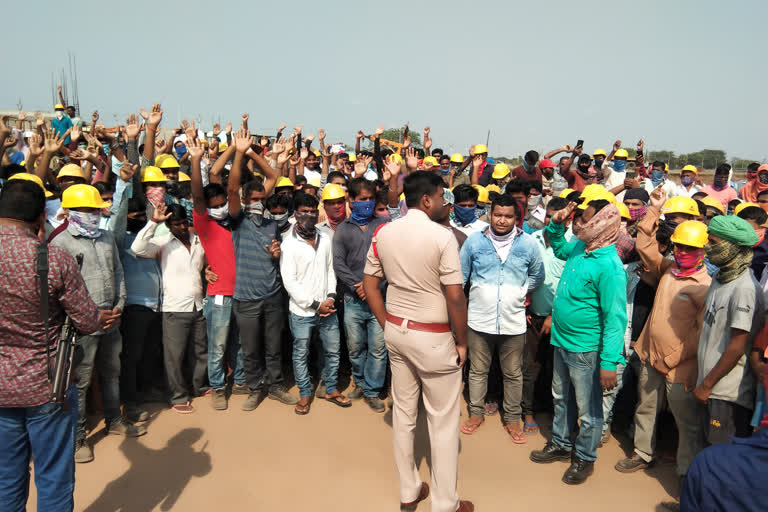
<point x="575" y="181"/>
<point x="219" y="251"/>
<point x="519" y="172"/>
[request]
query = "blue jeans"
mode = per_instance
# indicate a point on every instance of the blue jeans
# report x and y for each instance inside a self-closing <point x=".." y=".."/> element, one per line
<point x="328" y="329"/>
<point x="102" y="351"/>
<point x="576" y="392"/>
<point x="45" y="433"/>
<point x="222" y="329"/>
<point x="365" y="341"/>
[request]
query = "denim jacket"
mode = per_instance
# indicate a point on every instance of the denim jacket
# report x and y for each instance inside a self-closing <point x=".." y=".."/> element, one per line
<point x="498" y="289"/>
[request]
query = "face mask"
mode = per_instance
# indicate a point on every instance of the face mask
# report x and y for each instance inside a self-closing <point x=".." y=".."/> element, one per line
<point x="533" y="202"/>
<point x="219" y="213"/>
<point x="720" y="182"/>
<point x="670" y="224"/>
<point x="689" y="259"/>
<point x="155" y="195"/>
<point x="282" y="221"/>
<point x="599" y="163"/>
<point x="306" y="224"/>
<point x="657" y="177"/>
<point x="763" y="178"/>
<point x="362" y="212"/>
<point x="464" y="215"/>
<point x="84" y="224"/>
<point x="181" y="151"/>
<point x="135" y="225"/>
<point x="636" y="213"/>
<point x="686" y="181"/>
<point x="618" y="165"/>
<point x="384" y="213"/>
<point x="172" y="188"/>
<point x="59" y="115"/>
<point x="528" y="167"/>
<point x="336" y="213"/>
<point x="584" y="172"/>
<point x="751" y="176"/>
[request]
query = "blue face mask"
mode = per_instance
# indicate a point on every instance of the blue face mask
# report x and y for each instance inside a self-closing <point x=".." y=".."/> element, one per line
<point x="362" y="212"/>
<point x="657" y="177"/>
<point x="464" y="215"/>
<point x="181" y="150"/>
<point x="720" y="182"/>
<point x="686" y="180"/>
<point x="618" y="165"/>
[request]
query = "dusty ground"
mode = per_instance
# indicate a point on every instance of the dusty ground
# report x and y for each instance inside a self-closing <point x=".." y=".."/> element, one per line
<point x="331" y="460"/>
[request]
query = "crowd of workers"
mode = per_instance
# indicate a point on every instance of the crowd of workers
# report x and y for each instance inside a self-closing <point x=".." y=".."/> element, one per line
<point x="210" y="260"/>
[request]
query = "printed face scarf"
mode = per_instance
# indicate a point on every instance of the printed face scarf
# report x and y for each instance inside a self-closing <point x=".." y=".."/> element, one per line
<point x="306" y="225"/>
<point x="688" y="262"/>
<point x="732" y="259"/>
<point x="84" y="224"/>
<point x="336" y="214"/>
<point x="155" y="195"/>
<point x="601" y="230"/>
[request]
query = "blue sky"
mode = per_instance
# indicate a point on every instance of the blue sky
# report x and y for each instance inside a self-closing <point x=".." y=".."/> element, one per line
<point x="684" y="74"/>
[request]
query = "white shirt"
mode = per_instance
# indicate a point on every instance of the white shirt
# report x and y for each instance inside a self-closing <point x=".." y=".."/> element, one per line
<point x="680" y="190"/>
<point x="182" y="284"/>
<point x="669" y="187"/>
<point x="310" y="174"/>
<point x="472" y="227"/>
<point x="307" y="272"/>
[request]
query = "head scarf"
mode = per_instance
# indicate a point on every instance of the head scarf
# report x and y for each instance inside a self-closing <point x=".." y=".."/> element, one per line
<point x="752" y="188"/>
<point x="733" y="229"/>
<point x="601" y="230"/>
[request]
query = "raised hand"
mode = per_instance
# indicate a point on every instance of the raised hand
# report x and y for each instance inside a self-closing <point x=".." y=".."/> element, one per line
<point x="379" y="131"/>
<point x="658" y="196"/>
<point x="321" y="134"/>
<point x="127" y="170"/>
<point x="411" y="160"/>
<point x="477" y="161"/>
<point x="195" y="148"/>
<point x="283" y="157"/>
<point x="216" y="129"/>
<point x="10" y="141"/>
<point x="245" y="119"/>
<point x="360" y="134"/>
<point x="617" y="145"/>
<point x="161" y="214"/>
<point x="406" y="141"/>
<point x="279" y="146"/>
<point x="189" y="130"/>
<point x="640" y="145"/>
<point x="76" y="133"/>
<point x="394" y="166"/>
<point x="304" y="153"/>
<point x="143" y="113"/>
<point x="567" y="148"/>
<point x="52" y="144"/>
<point x="35" y="145"/>
<point x="228" y="128"/>
<point x="242" y="140"/>
<point x="310" y="137"/>
<point x="297" y="129"/>
<point x="132" y="128"/>
<point x="95" y="116"/>
<point x="4" y="130"/>
<point x="39" y="120"/>
<point x="21" y="117"/>
<point x="562" y="215"/>
<point x="155" y="116"/>
<point x="471" y="150"/>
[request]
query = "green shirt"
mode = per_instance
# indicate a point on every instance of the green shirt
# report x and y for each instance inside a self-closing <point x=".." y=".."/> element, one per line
<point x="590" y="307"/>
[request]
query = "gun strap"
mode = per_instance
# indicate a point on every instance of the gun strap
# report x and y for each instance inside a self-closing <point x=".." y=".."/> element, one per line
<point x="42" y="275"/>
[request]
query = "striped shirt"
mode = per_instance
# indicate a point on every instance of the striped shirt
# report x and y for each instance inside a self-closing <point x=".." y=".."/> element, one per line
<point x="257" y="273"/>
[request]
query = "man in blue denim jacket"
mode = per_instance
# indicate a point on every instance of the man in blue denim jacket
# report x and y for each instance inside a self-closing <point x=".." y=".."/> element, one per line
<point x="502" y="264"/>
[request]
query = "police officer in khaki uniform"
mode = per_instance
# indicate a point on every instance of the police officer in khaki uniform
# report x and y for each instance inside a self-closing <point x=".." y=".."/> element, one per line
<point x="425" y="329"/>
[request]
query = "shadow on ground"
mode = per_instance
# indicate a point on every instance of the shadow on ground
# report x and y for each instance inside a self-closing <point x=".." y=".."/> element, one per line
<point x="156" y="478"/>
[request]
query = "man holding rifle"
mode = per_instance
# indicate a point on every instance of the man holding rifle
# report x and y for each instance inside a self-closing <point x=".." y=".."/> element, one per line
<point x="32" y="426"/>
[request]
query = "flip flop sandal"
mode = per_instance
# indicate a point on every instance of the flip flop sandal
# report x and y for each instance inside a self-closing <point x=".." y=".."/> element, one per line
<point x="301" y="410"/>
<point x="517" y="437"/>
<point x="530" y="428"/>
<point x="339" y="400"/>
<point x="491" y="408"/>
<point x="470" y="429"/>
<point x="184" y="408"/>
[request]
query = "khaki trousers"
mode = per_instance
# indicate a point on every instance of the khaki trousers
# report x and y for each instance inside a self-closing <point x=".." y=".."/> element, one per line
<point x="653" y="388"/>
<point x="425" y="364"/>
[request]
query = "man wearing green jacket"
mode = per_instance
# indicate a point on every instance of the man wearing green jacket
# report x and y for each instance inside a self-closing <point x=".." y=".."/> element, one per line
<point x="588" y="322"/>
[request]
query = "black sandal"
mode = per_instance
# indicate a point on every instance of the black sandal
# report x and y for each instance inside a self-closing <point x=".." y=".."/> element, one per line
<point x="301" y="410"/>
<point x="338" y="400"/>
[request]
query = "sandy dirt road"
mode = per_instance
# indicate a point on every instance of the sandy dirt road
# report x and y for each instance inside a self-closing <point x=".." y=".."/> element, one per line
<point x="333" y="459"/>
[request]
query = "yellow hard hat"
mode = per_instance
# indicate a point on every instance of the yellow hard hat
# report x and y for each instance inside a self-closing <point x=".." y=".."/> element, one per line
<point x="666" y="167"/>
<point x="590" y="190"/>
<point x="33" y="178"/>
<point x="566" y="192"/>
<point x="223" y="146"/>
<point x="624" y="211"/>
<point x="493" y="188"/>
<point x="352" y="157"/>
<point x="282" y="181"/>
<point x="184" y="177"/>
<point x="691" y="168"/>
<point x="596" y="195"/>
<point x="394" y="157"/>
<point x="58" y="106"/>
<point x="740" y="207"/>
<point x="317" y="153"/>
<point x="599" y="152"/>
<point x="72" y="171"/>
<point x="166" y="161"/>
<point x="681" y="204"/>
<point x="481" y="148"/>
<point x="333" y="191"/>
<point x="314" y="182"/>
<point x="500" y="171"/>
<point x="692" y="233"/>
<point x="152" y="174"/>
<point x="457" y="158"/>
<point x="431" y="161"/>
<point x="82" y="196"/>
<point x="621" y="153"/>
<point x="482" y="196"/>
<point x="714" y="203"/>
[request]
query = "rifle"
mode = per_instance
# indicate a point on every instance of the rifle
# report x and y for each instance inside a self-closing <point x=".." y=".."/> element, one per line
<point x="64" y="363"/>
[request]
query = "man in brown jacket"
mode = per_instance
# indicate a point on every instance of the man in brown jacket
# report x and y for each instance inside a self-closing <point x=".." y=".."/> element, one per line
<point x="668" y="344"/>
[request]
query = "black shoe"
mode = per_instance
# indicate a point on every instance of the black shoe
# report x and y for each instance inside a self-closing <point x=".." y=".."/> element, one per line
<point x="632" y="464"/>
<point x="376" y="404"/>
<point x="578" y="472"/>
<point x="550" y="453"/>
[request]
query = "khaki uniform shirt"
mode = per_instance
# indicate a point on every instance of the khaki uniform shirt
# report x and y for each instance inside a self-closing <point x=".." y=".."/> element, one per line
<point x="417" y="257"/>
